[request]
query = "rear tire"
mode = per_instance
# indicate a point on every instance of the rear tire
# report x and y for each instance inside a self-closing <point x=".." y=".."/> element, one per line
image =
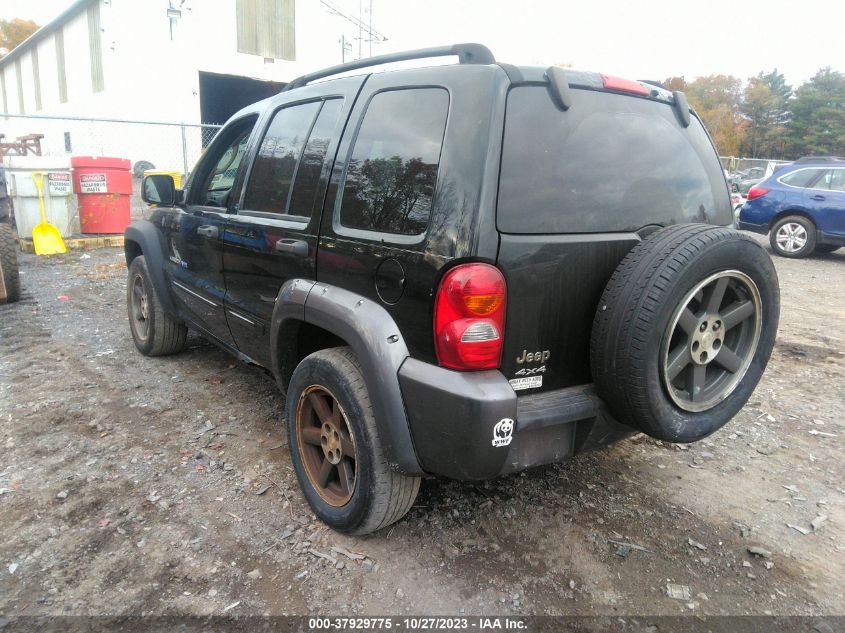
<point x="9" y="264"/>
<point x="793" y="236"/>
<point x="154" y="331"/>
<point x="684" y="330"/>
<point x="336" y="449"/>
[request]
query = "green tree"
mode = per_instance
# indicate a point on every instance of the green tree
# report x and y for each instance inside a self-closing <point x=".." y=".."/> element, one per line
<point x="765" y="105"/>
<point x="817" y="122"/>
<point x="13" y="32"/>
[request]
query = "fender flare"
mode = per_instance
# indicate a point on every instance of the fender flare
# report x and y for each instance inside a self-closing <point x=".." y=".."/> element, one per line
<point x="152" y="247"/>
<point x="374" y="337"/>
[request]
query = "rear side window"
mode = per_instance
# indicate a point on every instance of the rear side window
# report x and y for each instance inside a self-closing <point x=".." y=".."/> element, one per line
<point x="392" y="170"/>
<point x="306" y="196"/>
<point x="837" y="182"/>
<point x="609" y="163"/>
<point x="275" y="166"/>
<point x="801" y="178"/>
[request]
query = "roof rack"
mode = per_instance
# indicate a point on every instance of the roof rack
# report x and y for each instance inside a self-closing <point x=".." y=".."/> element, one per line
<point x="820" y="159"/>
<point x="466" y="54"/>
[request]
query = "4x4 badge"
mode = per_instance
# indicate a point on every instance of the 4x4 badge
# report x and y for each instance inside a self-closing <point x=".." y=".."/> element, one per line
<point x="503" y="432"/>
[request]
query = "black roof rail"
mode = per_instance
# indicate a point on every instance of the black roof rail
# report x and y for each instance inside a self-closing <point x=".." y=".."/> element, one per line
<point x="466" y="54"/>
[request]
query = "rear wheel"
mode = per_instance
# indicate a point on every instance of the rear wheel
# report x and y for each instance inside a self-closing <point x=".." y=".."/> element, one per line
<point x="684" y="330"/>
<point x="10" y="289"/>
<point x="336" y="450"/>
<point x="793" y="236"/>
<point x="154" y="331"/>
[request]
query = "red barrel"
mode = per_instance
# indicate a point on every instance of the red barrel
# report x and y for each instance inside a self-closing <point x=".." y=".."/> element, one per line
<point x="104" y="186"/>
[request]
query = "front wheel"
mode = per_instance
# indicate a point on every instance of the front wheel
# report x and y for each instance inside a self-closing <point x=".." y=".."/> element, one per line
<point x="155" y="332"/>
<point x="336" y="449"/>
<point x="684" y="330"/>
<point x="793" y="236"/>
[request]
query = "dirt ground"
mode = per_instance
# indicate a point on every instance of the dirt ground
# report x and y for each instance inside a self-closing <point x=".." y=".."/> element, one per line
<point x="131" y="485"/>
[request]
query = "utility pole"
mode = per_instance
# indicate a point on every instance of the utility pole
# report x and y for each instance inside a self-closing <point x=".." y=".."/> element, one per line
<point x="345" y="47"/>
<point x="360" y="26"/>
<point x="370" y="28"/>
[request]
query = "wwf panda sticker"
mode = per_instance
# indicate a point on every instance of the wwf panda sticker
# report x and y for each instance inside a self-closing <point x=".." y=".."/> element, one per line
<point x="503" y="432"/>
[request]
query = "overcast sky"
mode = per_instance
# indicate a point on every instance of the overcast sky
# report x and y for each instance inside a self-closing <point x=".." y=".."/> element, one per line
<point x="646" y="39"/>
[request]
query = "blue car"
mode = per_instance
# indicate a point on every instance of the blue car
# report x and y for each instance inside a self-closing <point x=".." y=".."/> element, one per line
<point x="801" y="207"/>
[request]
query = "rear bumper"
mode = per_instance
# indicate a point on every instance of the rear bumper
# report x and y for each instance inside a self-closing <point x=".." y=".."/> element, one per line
<point x="472" y="426"/>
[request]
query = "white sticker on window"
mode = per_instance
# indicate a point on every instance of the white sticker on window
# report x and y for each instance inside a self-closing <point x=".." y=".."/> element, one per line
<point x="532" y="382"/>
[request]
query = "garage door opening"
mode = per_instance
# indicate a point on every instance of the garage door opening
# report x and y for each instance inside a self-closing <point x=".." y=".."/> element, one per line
<point x="223" y="95"/>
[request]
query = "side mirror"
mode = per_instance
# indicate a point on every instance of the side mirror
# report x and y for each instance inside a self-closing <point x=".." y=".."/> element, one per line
<point x="159" y="189"/>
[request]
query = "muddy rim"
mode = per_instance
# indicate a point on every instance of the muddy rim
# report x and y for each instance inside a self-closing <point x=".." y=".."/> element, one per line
<point x="139" y="308"/>
<point x="326" y="445"/>
<point x="712" y="340"/>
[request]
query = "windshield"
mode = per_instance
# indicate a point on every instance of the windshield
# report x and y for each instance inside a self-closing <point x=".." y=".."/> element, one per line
<point x="609" y="163"/>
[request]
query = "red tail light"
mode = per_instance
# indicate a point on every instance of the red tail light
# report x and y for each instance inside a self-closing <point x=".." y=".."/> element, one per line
<point x="624" y="85"/>
<point x="469" y="317"/>
<point x="756" y="192"/>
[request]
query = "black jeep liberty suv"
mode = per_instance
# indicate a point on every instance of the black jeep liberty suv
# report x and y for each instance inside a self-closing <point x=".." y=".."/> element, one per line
<point x="462" y="270"/>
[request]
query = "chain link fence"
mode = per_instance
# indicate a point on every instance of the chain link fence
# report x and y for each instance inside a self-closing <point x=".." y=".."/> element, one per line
<point x="147" y="144"/>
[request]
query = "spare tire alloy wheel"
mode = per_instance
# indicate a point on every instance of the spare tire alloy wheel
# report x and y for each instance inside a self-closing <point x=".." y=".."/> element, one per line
<point x="684" y="330"/>
<point x="712" y="340"/>
<point x="326" y="445"/>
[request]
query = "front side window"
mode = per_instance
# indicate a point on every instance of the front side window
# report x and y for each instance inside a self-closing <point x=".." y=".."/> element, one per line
<point x="224" y="158"/>
<point x="391" y="174"/>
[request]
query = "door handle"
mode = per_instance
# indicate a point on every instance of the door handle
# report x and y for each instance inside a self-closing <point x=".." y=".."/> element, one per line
<point x="293" y="247"/>
<point x="817" y="197"/>
<point x="208" y="230"/>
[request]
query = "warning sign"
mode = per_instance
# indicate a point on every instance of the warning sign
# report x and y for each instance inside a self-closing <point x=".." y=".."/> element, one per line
<point x="58" y="184"/>
<point x="93" y="183"/>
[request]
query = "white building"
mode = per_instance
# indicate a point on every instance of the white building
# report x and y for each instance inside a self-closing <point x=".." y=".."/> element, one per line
<point x="191" y="61"/>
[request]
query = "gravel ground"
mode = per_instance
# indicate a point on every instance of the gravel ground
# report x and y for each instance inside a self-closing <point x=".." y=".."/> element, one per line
<point x="131" y="485"/>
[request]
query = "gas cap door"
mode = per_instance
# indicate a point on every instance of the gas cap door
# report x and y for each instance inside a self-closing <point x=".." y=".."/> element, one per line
<point x="390" y="280"/>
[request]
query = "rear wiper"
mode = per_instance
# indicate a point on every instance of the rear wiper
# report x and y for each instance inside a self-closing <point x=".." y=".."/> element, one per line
<point x="559" y="87"/>
<point x="682" y="106"/>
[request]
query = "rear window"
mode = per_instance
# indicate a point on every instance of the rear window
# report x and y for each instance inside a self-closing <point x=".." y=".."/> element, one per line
<point x="609" y="163"/>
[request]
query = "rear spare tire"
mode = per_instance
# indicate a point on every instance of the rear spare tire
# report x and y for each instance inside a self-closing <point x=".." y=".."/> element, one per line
<point x="684" y="330"/>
